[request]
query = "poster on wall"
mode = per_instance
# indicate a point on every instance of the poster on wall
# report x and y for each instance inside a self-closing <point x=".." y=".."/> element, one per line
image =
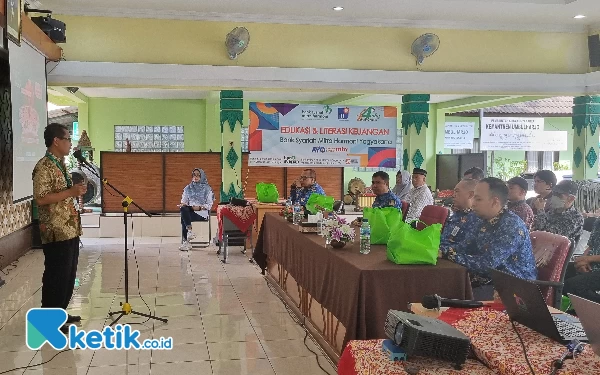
<point x="552" y="141"/>
<point x="459" y="135"/>
<point x="511" y="133"/>
<point x="322" y="135"/>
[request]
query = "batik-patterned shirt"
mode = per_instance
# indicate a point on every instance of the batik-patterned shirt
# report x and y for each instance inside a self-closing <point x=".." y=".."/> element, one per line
<point x="459" y="226"/>
<point x="418" y="198"/>
<point x="568" y="223"/>
<point x="300" y="195"/>
<point x="500" y="243"/>
<point x="594" y="244"/>
<point x="388" y="199"/>
<point x="59" y="221"/>
<point x="524" y="211"/>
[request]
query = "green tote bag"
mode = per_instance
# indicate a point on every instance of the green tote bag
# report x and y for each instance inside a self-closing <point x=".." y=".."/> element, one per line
<point x="407" y="245"/>
<point x="381" y="221"/>
<point x="267" y="193"/>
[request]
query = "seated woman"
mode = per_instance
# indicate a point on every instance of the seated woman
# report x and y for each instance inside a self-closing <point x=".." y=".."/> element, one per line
<point x="196" y="201"/>
<point x="308" y="186"/>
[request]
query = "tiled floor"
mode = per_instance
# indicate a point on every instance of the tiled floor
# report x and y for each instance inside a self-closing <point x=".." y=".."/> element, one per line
<point x="223" y="318"/>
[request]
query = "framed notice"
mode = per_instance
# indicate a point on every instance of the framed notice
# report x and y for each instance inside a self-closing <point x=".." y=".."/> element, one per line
<point x="13" y="20"/>
<point x="459" y="135"/>
<point x="511" y="133"/>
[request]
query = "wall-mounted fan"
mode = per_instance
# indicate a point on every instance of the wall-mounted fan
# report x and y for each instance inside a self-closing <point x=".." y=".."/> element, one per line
<point x="425" y="46"/>
<point x="237" y="41"/>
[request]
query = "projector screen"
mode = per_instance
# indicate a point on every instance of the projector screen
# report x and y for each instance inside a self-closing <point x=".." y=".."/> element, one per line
<point x="29" y="114"/>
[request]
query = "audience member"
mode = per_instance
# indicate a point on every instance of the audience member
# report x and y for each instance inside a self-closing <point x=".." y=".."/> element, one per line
<point x="403" y="185"/>
<point x="474" y="173"/>
<point x="308" y="186"/>
<point x="560" y="216"/>
<point x="463" y="220"/>
<point x="196" y="201"/>
<point x="381" y="188"/>
<point x="501" y="241"/>
<point x="419" y="196"/>
<point x="543" y="182"/>
<point x="517" y="190"/>
<point x="587" y="283"/>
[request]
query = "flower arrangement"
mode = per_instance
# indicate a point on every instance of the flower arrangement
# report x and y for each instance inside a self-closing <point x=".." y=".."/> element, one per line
<point x="287" y="212"/>
<point x="337" y="230"/>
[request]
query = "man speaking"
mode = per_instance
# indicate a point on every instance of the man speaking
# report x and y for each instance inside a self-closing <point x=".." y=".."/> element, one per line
<point x="60" y="224"/>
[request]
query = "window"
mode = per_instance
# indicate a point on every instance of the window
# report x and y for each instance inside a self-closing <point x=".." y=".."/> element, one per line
<point x="145" y="138"/>
<point x="537" y="160"/>
<point x="475" y="149"/>
<point x="244" y="140"/>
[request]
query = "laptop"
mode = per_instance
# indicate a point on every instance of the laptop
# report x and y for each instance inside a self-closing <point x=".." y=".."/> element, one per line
<point x="525" y="304"/>
<point x="588" y="313"/>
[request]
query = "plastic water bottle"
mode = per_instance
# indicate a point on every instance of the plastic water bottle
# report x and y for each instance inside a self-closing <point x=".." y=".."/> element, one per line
<point x="365" y="237"/>
<point x="77" y="283"/>
<point x="297" y="214"/>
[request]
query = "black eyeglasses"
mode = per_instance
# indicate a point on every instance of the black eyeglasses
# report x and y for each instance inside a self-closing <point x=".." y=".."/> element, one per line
<point x="65" y="139"/>
<point x="195" y="174"/>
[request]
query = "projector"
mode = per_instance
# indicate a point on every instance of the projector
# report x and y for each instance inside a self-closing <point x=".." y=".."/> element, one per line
<point x="427" y="337"/>
<point x="55" y="29"/>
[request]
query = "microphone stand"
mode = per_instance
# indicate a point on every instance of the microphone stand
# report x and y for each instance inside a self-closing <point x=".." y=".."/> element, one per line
<point x="127" y="201"/>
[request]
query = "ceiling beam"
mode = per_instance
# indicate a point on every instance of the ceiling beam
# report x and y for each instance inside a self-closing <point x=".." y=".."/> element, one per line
<point x="76" y="97"/>
<point x="341" y="99"/>
<point x="478" y="102"/>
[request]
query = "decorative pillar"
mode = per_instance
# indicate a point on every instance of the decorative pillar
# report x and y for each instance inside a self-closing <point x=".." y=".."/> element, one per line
<point x="231" y="118"/>
<point x="419" y="137"/>
<point x="586" y="120"/>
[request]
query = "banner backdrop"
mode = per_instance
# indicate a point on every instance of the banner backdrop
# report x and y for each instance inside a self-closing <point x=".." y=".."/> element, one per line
<point x="322" y="135"/>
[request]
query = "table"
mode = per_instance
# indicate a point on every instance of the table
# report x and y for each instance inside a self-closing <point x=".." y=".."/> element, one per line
<point x="261" y="209"/>
<point x="365" y="357"/>
<point x="353" y="290"/>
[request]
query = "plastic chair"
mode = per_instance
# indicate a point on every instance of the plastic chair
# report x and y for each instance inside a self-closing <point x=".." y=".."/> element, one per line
<point x="432" y="215"/>
<point x="201" y="244"/>
<point x="552" y="253"/>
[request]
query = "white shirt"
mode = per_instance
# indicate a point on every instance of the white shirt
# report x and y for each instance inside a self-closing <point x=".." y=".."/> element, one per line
<point x="418" y="198"/>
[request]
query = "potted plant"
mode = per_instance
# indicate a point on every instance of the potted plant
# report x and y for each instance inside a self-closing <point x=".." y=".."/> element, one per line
<point x="288" y="213"/>
<point x="338" y="232"/>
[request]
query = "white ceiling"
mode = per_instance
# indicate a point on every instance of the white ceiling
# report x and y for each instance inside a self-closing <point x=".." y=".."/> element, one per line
<point x="266" y="96"/>
<point x="468" y="14"/>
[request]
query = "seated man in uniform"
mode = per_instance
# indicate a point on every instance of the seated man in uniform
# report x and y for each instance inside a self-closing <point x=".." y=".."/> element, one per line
<point x="308" y="186"/>
<point x="420" y="195"/>
<point x="501" y="241"/>
<point x="587" y="283"/>
<point x="463" y="220"/>
<point x="381" y="188"/>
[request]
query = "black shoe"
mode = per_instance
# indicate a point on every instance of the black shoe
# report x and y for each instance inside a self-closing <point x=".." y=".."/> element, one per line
<point x="65" y="329"/>
<point x="73" y="319"/>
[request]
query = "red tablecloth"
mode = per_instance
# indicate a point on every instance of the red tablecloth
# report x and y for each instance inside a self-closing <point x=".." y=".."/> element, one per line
<point x="241" y="216"/>
<point x="365" y="357"/>
<point x="496" y="344"/>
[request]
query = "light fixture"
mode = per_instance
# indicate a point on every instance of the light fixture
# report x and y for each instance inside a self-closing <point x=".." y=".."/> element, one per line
<point x="579" y="16"/>
<point x="338" y="8"/>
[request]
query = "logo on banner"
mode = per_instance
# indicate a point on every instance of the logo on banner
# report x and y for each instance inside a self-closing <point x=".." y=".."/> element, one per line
<point x="368" y="114"/>
<point x="343" y="113"/>
<point x="313" y="114"/>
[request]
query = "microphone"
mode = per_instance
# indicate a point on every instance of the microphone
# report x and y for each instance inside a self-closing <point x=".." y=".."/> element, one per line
<point x="77" y="155"/>
<point x="435" y="302"/>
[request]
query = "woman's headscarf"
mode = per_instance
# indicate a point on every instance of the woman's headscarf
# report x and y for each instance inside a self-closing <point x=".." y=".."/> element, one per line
<point x="199" y="191"/>
<point x="402" y="190"/>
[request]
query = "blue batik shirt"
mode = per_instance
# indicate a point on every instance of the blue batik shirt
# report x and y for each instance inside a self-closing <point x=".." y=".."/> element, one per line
<point x="459" y="226"/>
<point x="388" y="199"/>
<point x="300" y="195"/>
<point x="500" y="243"/>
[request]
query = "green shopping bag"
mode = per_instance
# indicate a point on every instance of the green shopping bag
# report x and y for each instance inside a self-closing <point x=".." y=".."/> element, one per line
<point x="267" y="193"/>
<point x="381" y="221"/>
<point x="407" y="245"/>
<point x="322" y="201"/>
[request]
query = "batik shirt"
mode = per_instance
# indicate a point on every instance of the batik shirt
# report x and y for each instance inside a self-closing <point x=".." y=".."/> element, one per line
<point x="388" y="199"/>
<point x="418" y="198"/>
<point x="500" y="243"/>
<point x="522" y="210"/>
<point x="300" y="195"/>
<point x="594" y="244"/>
<point x="568" y="223"/>
<point x="59" y="221"/>
<point x="459" y="226"/>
